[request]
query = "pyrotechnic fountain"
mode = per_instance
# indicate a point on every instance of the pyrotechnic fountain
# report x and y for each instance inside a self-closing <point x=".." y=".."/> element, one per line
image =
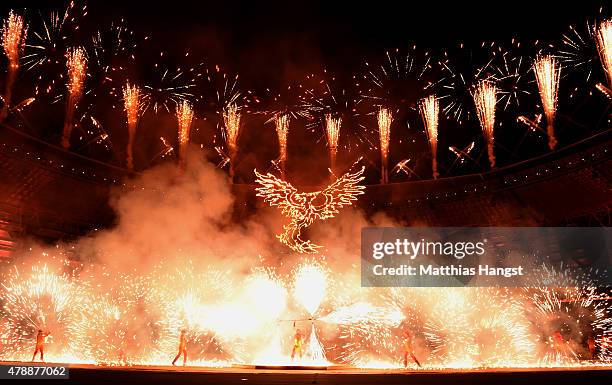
<point x="231" y="123"/>
<point x="131" y="100"/>
<point x="548" y="73"/>
<point x="76" y="62"/>
<point x="14" y="33"/>
<point x="332" y="130"/>
<point x="485" y="99"/>
<point x="429" y="113"/>
<point x="384" y="131"/>
<point x="282" y="129"/>
<point x="184" y="116"/>
<point x="604" y="46"/>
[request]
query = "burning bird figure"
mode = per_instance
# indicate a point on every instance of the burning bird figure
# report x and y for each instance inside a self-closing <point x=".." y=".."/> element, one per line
<point x="604" y="46"/>
<point x="231" y="121"/>
<point x="429" y="112"/>
<point x="77" y="68"/>
<point x="332" y="128"/>
<point x="485" y="98"/>
<point x="14" y="33"/>
<point x="547" y="72"/>
<point x="184" y="115"/>
<point x="131" y="101"/>
<point x="304" y="208"/>
<point x="384" y="129"/>
<point x="282" y="129"/>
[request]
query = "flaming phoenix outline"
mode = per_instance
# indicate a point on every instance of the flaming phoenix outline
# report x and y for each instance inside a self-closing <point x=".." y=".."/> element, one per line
<point x="304" y="208"/>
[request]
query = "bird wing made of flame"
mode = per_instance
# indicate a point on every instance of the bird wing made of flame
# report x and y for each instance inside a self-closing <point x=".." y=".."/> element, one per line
<point x="341" y="193"/>
<point x="277" y="192"/>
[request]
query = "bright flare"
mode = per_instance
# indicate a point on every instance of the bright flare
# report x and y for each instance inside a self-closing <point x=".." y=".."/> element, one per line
<point x="430" y="110"/>
<point x="76" y="62"/>
<point x="604" y="45"/>
<point x="548" y="72"/>
<point x="385" y="118"/>
<point x="131" y="101"/>
<point x="485" y="98"/>
<point x="310" y="286"/>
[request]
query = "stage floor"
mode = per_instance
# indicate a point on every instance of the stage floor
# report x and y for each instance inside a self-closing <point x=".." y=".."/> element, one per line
<point x="91" y="374"/>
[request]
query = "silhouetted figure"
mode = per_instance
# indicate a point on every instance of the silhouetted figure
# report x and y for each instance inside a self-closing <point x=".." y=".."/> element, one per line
<point x="298" y="341"/>
<point x="40" y="345"/>
<point x="182" y="350"/>
<point x="409" y="349"/>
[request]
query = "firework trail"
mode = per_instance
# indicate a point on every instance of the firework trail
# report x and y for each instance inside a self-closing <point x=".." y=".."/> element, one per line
<point x="429" y="113"/>
<point x="548" y="73"/>
<point x="282" y="129"/>
<point x="384" y="130"/>
<point x="485" y="99"/>
<point x="332" y="130"/>
<point x="184" y="115"/>
<point x="604" y="45"/>
<point x="14" y="33"/>
<point x="231" y="123"/>
<point x="131" y="100"/>
<point x="76" y="63"/>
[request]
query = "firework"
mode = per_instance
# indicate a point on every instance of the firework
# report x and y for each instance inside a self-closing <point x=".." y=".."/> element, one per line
<point x="131" y="100"/>
<point x="429" y="113"/>
<point x="76" y="63"/>
<point x="548" y="73"/>
<point x="231" y="122"/>
<point x="301" y="207"/>
<point x="282" y="129"/>
<point x="332" y="129"/>
<point x="485" y="99"/>
<point x="384" y="130"/>
<point x="14" y="33"/>
<point x="184" y="115"/>
<point x="604" y="45"/>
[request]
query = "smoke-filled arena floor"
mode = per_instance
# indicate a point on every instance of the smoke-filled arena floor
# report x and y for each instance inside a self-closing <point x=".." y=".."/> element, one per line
<point x="92" y="374"/>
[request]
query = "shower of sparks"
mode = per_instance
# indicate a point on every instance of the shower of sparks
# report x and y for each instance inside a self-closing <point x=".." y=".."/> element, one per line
<point x="604" y="45"/>
<point x="304" y="208"/>
<point x="429" y="113"/>
<point x="131" y="100"/>
<point x="76" y="62"/>
<point x="184" y="116"/>
<point x="485" y="99"/>
<point x="14" y="31"/>
<point x="231" y="124"/>
<point x="512" y="77"/>
<point x="332" y="130"/>
<point x="282" y="129"/>
<point x="548" y="73"/>
<point x="384" y="131"/>
<point x="578" y="50"/>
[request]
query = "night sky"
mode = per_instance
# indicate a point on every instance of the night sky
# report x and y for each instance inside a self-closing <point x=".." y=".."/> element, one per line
<point x="273" y="44"/>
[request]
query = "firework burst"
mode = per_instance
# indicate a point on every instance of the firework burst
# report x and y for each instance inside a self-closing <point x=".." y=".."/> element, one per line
<point x="604" y="45"/>
<point x="485" y="99"/>
<point x="548" y="72"/>
<point x="76" y="62"/>
<point x="14" y="33"/>
<point x="332" y="131"/>
<point x="429" y="113"/>
<point x="131" y="99"/>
